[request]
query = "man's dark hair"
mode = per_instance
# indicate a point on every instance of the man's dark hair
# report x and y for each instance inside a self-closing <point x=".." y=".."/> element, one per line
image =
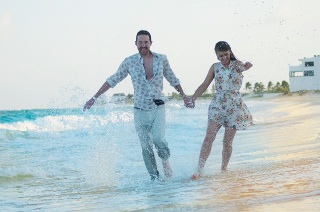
<point x="143" y="32"/>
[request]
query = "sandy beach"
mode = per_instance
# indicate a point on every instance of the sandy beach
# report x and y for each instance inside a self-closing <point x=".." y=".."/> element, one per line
<point x="293" y="139"/>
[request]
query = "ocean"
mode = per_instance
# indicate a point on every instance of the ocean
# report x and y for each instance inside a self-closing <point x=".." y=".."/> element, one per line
<point x="70" y="160"/>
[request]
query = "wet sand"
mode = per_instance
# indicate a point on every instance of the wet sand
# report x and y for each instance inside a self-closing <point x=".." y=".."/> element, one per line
<point x="292" y="148"/>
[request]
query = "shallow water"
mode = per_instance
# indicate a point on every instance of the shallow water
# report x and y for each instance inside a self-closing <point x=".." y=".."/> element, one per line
<point x="69" y="160"/>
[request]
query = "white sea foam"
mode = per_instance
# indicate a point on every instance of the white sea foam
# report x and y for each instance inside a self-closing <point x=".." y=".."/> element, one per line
<point x="67" y="122"/>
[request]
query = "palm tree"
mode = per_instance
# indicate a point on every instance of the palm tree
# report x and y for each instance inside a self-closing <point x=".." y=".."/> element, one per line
<point x="285" y="87"/>
<point x="277" y="87"/>
<point x="248" y="86"/>
<point x="270" y="84"/>
<point x="258" y="87"/>
<point x="262" y="86"/>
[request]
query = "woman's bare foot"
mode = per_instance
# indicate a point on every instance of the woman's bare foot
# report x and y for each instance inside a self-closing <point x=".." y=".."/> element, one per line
<point x="167" y="169"/>
<point x="196" y="176"/>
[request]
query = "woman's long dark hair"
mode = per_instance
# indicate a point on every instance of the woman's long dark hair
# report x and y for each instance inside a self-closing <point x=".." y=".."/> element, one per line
<point x="223" y="47"/>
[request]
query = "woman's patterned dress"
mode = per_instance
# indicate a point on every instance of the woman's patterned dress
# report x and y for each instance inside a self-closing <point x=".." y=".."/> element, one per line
<point x="227" y="108"/>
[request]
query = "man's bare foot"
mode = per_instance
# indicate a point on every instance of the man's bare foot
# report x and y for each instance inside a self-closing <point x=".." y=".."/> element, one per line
<point x="167" y="169"/>
<point x="196" y="176"/>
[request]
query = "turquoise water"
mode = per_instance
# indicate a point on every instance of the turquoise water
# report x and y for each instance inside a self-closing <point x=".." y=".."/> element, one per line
<point x="68" y="160"/>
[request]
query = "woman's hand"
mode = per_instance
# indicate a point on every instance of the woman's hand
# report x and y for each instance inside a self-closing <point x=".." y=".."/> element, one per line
<point x="189" y="102"/>
<point x="247" y="65"/>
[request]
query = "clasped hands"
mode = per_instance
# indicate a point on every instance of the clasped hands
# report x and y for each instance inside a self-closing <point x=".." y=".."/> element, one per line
<point x="189" y="102"/>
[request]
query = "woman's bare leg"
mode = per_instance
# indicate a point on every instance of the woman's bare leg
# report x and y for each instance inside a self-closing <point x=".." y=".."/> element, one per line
<point x="227" y="147"/>
<point x="211" y="133"/>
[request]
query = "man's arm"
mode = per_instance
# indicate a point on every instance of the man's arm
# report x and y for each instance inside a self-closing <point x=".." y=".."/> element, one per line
<point x="111" y="82"/>
<point x="174" y="81"/>
<point x="91" y="101"/>
<point x="186" y="100"/>
<point x="180" y="90"/>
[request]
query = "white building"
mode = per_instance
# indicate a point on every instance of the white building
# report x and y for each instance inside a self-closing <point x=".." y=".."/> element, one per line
<point x="305" y="76"/>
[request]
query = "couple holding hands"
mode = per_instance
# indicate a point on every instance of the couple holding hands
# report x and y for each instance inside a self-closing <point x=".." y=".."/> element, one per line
<point x="147" y="70"/>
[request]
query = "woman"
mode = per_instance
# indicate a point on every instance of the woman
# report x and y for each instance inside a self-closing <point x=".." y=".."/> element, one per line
<point x="227" y="108"/>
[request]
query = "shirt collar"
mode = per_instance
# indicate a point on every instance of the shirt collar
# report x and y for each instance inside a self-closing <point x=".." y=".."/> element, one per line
<point x="153" y="53"/>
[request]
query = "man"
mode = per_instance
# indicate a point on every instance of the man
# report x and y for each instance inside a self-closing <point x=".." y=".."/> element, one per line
<point x="147" y="70"/>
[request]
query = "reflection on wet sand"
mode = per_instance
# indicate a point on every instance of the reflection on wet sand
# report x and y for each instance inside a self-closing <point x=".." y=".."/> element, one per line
<point x="283" y="174"/>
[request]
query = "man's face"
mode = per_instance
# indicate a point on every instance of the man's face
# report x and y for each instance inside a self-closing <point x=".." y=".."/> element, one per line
<point x="143" y="44"/>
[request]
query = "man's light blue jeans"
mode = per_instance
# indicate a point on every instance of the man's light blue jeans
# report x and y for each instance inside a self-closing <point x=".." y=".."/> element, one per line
<point x="150" y="126"/>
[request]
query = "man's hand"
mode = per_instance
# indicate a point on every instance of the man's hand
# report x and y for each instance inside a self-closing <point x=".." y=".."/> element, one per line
<point x="88" y="105"/>
<point x="189" y="102"/>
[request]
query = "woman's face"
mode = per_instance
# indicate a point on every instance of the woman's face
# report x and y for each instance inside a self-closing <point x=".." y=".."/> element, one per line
<point x="224" y="57"/>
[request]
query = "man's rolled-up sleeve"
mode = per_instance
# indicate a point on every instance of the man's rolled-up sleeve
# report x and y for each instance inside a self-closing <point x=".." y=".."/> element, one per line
<point x="121" y="73"/>
<point x="168" y="73"/>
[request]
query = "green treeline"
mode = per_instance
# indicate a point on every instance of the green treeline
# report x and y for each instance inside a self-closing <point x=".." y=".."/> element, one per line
<point x="257" y="88"/>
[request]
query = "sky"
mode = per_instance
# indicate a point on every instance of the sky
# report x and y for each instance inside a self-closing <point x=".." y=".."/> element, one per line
<point x="58" y="53"/>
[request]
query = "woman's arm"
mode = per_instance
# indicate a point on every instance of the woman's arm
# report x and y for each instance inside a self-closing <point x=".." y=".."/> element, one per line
<point x="203" y="87"/>
<point x="243" y="66"/>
